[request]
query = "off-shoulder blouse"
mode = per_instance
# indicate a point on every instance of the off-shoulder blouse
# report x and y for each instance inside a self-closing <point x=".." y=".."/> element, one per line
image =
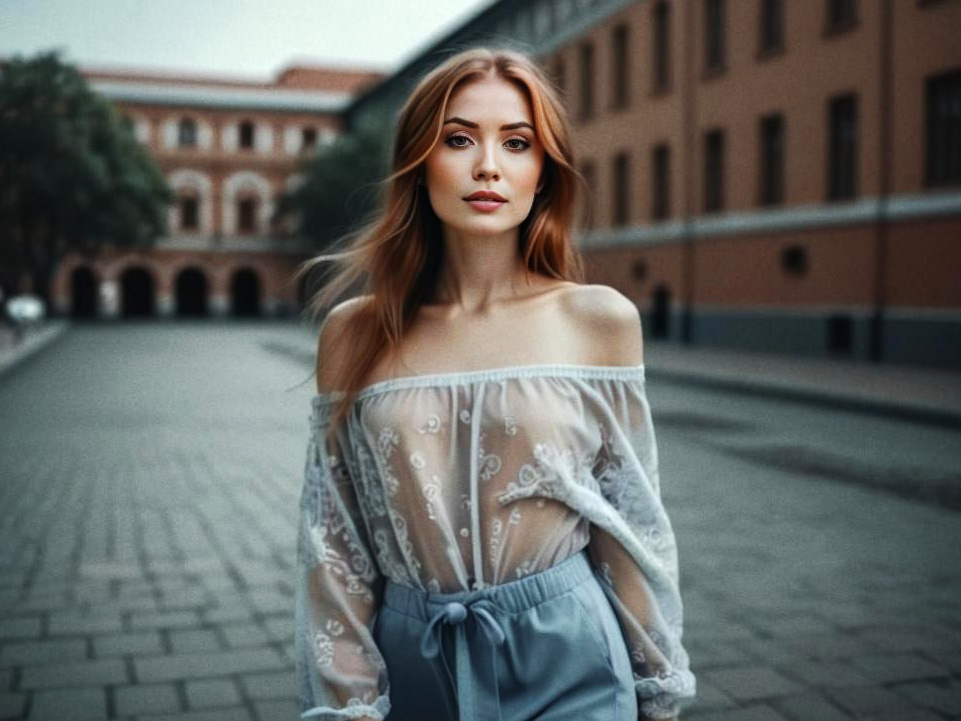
<point x="456" y="481"/>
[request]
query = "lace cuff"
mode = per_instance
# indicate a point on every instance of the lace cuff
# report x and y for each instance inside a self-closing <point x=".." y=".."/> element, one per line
<point x="661" y="697"/>
<point x="355" y="709"/>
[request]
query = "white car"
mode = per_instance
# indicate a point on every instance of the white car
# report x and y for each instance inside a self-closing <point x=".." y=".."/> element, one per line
<point x="25" y="309"/>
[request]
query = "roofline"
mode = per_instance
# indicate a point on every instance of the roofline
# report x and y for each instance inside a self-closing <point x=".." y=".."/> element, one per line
<point x="257" y="98"/>
<point x="419" y="56"/>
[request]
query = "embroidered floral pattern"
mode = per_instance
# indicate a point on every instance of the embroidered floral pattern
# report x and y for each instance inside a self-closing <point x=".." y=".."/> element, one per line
<point x="488" y="463"/>
<point x="431" y="491"/>
<point x="497" y="525"/>
<point x="417" y="460"/>
<point x="324" y="648"/>
<point x="387" y="442"/>
<point x="363" y="488"/>
<point x="526" y="568"/>
<point x="433" y="425"/>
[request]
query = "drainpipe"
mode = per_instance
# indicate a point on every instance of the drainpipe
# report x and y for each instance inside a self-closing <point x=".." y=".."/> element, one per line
<point x="884" y="153"/>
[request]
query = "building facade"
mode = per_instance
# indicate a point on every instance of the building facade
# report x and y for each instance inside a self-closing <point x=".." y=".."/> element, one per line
<point x="770" y="175"/>
<point x="228" y="149"/>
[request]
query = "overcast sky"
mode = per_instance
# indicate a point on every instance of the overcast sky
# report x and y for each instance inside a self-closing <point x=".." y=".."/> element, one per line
<point x="235" y="38"/>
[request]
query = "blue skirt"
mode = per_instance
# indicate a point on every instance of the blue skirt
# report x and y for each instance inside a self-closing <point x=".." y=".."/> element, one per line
<point x="546" y="646"/>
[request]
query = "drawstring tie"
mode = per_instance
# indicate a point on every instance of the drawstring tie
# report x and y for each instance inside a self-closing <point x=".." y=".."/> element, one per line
<point x="431" y="645"/>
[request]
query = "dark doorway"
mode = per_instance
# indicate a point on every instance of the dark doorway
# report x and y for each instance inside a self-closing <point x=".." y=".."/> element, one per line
<point x="245" y="294"/>
<point x="661" y="313"/>
<point x="191" y="293"/>
<point x="83" y="293"/>
<point x="137" y="293"/>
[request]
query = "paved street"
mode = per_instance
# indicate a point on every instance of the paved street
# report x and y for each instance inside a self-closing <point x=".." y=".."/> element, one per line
<point x="149" y="478"/>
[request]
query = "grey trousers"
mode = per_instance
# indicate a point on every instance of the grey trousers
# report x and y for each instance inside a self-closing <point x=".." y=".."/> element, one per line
<point x="546" y="646"/>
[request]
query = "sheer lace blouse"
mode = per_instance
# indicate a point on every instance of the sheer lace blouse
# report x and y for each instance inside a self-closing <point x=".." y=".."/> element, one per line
<point x="457" y="481"/>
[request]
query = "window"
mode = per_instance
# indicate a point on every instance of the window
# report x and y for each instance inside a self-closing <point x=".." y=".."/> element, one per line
<point x="841" y="14"/>
<point x="772" y="26"/>
<point x="587" y="80"/>
<point x="713" y="170"/>
<point x="843" y="149"/>
<point x="187" y="133"/>
<point x="772" y="160"/>
<point x="621" y="60"/>
<point x="246" y="215"/>
<point x="794" y="260"/>
<point x="246" y="135"/>
<point x="943" y="127"/>
<point x="662" y="46"/>
<point x="188" y="213"/>
<point x="589" y="174"/>
<point x="621" y="188"/>
<point x="714" y="35"/>
<point x="661" y="165"/>
<point x="308" y="138"/>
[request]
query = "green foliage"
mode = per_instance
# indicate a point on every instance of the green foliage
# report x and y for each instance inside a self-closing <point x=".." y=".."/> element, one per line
<point x="341" y="183"/>
<point x="72" y="176"/>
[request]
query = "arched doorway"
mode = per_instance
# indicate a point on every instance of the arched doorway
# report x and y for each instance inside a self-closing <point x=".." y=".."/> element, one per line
<point x="83" y="293"/>
<point x="245" y="294"/>
<point x="661" y="313"/>
<point x="137" y="293"/>
<point x="191" y="289"/>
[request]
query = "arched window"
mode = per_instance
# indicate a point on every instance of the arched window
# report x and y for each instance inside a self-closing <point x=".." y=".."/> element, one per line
<point x="247" y="215"/>
<point x="189" y="216"/>
<point x="247" y="135"/>
<point x="309" y="137"/>
<point x="187" y="133"/>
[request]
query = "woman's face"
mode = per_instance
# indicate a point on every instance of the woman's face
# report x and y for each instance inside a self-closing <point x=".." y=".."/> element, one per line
<point x="466" y="158"/>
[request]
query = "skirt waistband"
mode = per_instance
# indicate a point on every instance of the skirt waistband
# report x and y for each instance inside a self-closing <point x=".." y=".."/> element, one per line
<point x="511" y="597"/>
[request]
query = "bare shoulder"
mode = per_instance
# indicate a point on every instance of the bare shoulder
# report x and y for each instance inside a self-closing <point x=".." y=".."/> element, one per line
<point x="334" y="341"/>
<point x="611" y="322"/>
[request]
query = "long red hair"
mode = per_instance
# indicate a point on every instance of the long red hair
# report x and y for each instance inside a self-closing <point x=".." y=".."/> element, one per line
<point x="400" y="247"/>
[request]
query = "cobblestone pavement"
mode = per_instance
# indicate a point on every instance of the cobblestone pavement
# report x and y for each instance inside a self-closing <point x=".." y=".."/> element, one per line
<point x="149" y="478"/>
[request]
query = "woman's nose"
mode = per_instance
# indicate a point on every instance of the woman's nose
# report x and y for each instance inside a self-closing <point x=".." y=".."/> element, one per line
<point x="487" y="164"/>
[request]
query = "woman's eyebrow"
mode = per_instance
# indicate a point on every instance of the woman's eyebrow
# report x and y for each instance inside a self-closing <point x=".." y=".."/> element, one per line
<point x="469" y="124"/>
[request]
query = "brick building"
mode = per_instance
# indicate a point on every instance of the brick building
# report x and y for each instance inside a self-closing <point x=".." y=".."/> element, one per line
<point x="773" y="175"/>
<point x="228" y="149"/>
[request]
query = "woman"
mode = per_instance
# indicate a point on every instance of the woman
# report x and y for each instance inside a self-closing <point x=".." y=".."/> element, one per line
<point x="482" y="534"/>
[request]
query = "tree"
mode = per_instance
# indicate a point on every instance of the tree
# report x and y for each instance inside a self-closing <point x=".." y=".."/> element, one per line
<point x="72" y="176"/>
<point x="340" y="185"/>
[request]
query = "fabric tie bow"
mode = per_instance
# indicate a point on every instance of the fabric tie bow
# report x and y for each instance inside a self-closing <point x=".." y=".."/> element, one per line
<point x="455" y="614"/>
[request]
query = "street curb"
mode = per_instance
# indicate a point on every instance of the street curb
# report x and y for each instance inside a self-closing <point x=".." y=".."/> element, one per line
<point x="33" y="343"/>
<point x="813" y="396"/>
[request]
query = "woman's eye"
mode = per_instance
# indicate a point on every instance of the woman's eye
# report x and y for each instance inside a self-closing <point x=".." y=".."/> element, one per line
<point x="452" y="142"/>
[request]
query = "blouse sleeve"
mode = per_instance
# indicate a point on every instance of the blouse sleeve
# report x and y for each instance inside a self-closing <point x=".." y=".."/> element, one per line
<point x="640" y="577"/>
<point x="341" y="673"/>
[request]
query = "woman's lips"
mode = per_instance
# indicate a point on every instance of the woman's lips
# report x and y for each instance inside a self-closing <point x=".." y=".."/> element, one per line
<point x="486" y="204"/>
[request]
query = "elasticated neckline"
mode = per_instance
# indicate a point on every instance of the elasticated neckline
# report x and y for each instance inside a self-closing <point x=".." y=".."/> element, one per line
<point x="460" y="378"/>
